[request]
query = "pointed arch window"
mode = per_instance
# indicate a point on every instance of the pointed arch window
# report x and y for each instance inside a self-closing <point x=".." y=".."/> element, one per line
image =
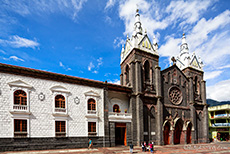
<point x="20" y="97"/>
<point x="92" y="105"/>
<point x="147" y="71"/>
<point x="127" y="74"/>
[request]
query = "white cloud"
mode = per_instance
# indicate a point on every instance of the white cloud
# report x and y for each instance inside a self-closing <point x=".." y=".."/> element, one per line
<point x="64" y="67"/>
<point x="118" y="41"/>
<point x="15" y="58"/>
<point x="18" y="42"/>
<point x="23" y="8"/>
<point x="90" y="66"/>
<point x="211" y="75"/>
<point x="3" y="52"/>
<point x="109" y="4"/>
<point x="223" y="67"/>
<point x="116" y="81"/>
<point x="95" y="72"/>
<point x="155" y="16"/>
<point x="186" y="12"/>
<point x="93" y="68"/>
<point x="100" y="62"/>
<point x="220" y="91"/>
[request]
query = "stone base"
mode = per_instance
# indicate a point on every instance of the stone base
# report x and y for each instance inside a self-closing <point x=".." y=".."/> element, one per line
<point x="23" y="144"/>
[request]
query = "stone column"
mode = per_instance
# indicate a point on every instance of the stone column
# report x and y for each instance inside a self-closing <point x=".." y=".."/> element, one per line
<point x="139" y="103"/>
<point x="171" y="134"/>
<point x="205" y="112"/>
<point x="106" y="138"/>
<point x="121" y="79"/>
<point x="159" y="114"/>
<point x="192" y="111"/>
<point x="132" y="109"/>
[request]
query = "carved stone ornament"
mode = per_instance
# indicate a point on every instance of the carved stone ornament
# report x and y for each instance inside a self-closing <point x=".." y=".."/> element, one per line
<point x="76" y="100"/>
<point x="175" y="95"/>
<point x="41" y="96"/>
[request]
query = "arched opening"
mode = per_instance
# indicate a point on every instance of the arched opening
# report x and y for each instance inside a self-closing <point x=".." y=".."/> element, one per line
<point x="127" y="74"/>
<point x="59" y="101"/>
<point x="116" y="108"/>
<point x="195" y="84"/>
<point x="147" y="71"/>
<point x="20" y="97"/>
<point x="166" y="133"/>
<point x="178" y="131"/>
<point x="91" y="104"/>
<point x="189" y="130"/>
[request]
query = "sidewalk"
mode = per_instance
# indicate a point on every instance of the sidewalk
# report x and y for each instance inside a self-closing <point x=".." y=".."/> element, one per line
<point x="216" y="148"/>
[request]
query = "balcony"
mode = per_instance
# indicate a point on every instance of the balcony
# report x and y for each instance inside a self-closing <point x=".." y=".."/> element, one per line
<point x="60" y="110"/>
<point x="91" y="114"/>
<point x="120" y="117"/>
<point x="18" y="107"/>
<point x="221" y="125"/>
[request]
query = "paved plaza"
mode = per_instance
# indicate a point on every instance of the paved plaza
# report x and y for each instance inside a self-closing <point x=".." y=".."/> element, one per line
<point x="214" y="148"/>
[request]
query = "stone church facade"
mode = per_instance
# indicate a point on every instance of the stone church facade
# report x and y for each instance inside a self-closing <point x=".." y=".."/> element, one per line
<point x="44" y="110"/>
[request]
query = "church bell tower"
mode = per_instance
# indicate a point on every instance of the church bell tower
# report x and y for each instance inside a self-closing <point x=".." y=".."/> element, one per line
<point x="140" y="71"/>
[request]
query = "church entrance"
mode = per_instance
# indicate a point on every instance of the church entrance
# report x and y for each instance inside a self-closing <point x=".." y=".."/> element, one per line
<point x="177" y="131"/>
<point x="189" y="133"/>
<point x="120" y="134"/>
<point x="166" y="133"/>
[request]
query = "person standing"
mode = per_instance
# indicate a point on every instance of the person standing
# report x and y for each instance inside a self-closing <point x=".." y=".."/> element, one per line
<point x="145" y="145"/>
<point x="90" y="144"/>
<point x="131" y="148"/>
<point x="151" y="147"/>
<point x="142" y="146"/>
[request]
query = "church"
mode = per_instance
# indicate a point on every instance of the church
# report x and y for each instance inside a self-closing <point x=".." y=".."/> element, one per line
<point x="45" y="110"/>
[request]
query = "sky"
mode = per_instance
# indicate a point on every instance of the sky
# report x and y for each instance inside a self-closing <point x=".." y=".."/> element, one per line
<point x="84" y="38"/>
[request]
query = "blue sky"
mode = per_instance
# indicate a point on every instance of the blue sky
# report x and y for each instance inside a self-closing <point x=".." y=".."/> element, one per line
<point x="83" y="37"/>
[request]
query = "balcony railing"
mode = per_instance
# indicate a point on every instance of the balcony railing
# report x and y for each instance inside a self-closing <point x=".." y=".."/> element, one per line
<point x="220" y="115"/>
<point x="60" y="110"/>
<point x="220" y="124"/>
<point x="20" y="134"/>
<point x="18" y="107"/>
<point x="122" y="117"/>
<point x="91" y="112"/>
<point x="60" y="134"/>
<point x="92" y="133"/>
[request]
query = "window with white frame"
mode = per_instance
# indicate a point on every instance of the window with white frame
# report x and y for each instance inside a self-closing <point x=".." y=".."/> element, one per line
<point x="20" y="128"/>
<point x="60" y="128"/>
<point x="20" y="95"/>
<point x="92" y="129"/>
<point x="60" y="98"/>
<point x="60" y="105"/>
<point x="20" y="100"/>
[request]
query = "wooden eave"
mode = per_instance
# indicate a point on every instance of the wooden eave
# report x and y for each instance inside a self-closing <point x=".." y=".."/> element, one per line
<point x="29" y="72"/>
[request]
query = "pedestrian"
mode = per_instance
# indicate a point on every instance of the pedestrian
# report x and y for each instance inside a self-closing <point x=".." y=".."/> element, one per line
<point x="145" y="145"/>
<point x="142" y="146"/>
<point x="131" y="148"/>
<point x="90" y="144"/>
<point x="151" y="147"/>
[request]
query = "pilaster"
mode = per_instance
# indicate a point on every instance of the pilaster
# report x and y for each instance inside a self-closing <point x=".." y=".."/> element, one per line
<point x="192" y="111"/>
<point x="205" y="112"/>
<point x="159" y="118"/>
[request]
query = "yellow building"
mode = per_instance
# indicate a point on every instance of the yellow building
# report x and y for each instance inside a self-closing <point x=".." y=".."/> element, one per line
<point x="219" y="122"/>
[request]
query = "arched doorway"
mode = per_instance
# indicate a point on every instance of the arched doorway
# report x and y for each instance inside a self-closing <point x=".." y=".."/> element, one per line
<point x="189" y="128"/>
<point x="177" y="131"/>
<point x="166" y="133"/>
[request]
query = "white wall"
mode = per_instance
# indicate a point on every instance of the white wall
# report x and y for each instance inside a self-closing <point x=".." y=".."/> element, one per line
<point x="42" y="123"/>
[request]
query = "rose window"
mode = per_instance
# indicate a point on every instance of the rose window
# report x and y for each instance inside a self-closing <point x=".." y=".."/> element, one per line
<point x="175" y="95"/>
